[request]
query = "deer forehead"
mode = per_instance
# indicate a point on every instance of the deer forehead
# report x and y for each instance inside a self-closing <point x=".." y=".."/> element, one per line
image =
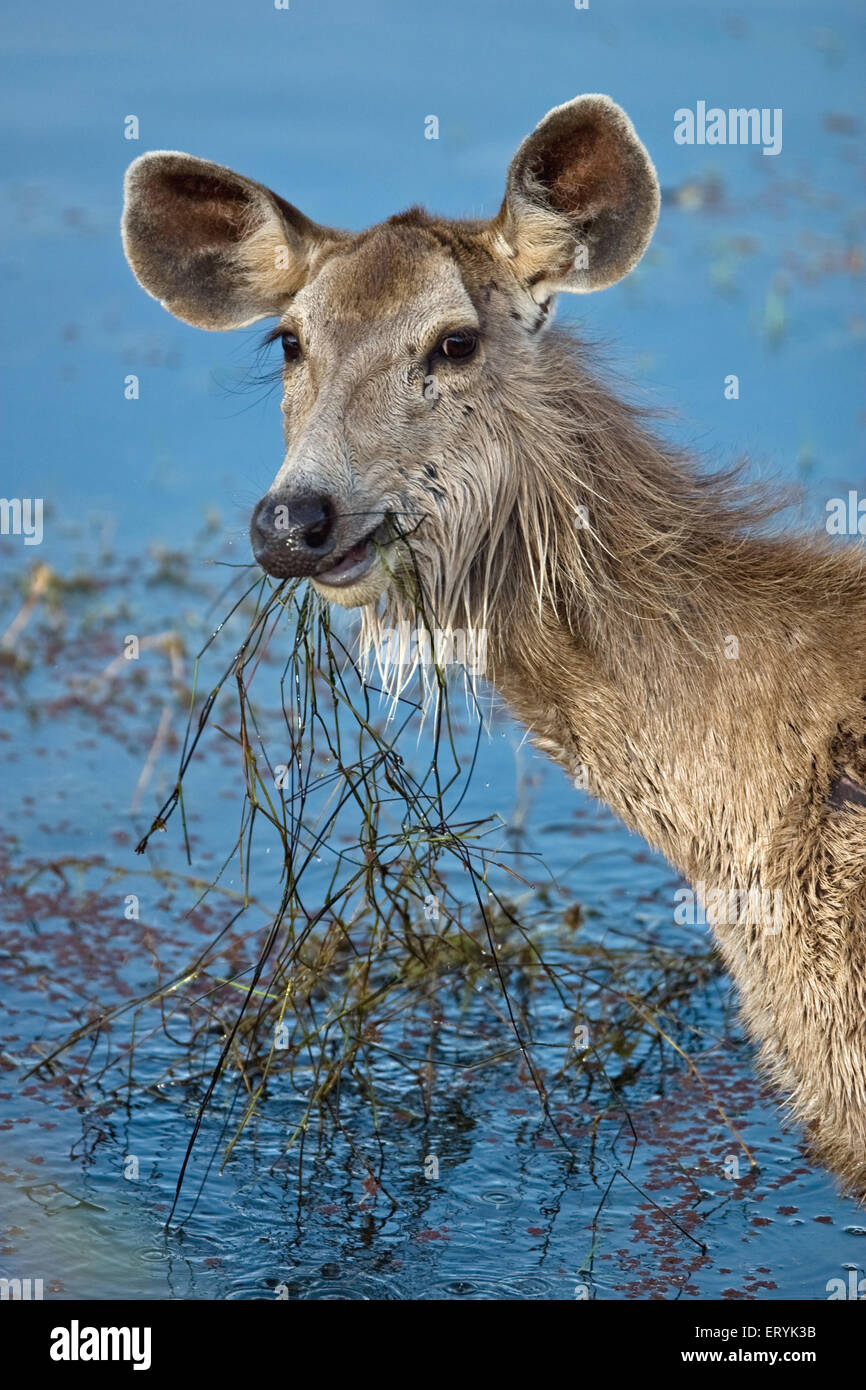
<point x="398" y="285"/>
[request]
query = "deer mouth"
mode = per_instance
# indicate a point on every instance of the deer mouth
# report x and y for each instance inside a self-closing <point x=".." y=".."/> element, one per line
<point x="352" y="565"/>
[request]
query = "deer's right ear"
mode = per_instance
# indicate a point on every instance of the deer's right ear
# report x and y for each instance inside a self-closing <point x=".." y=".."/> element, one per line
<point x="581" y="201"/>
<point x="217" y="250"/>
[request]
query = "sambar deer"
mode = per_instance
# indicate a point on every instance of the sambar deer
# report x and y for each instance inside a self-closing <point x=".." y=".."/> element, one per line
<point x="448" y="449"/>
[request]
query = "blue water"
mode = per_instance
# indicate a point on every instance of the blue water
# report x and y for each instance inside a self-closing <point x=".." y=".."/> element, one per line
<point x="756" y="269"/>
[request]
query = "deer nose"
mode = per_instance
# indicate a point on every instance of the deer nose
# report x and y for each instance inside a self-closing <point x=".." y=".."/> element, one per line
<point x="293" y="534"/>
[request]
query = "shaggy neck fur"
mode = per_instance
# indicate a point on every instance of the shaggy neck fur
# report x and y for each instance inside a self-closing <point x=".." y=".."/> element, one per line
<point x="693" y="670"/>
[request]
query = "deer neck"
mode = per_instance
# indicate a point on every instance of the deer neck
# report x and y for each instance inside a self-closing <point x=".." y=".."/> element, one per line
<point x="699" y="726"/>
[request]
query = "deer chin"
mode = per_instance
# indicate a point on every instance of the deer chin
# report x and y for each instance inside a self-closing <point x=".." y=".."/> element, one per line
<point x="358" y="576"/>
<point x="355" y="581"/>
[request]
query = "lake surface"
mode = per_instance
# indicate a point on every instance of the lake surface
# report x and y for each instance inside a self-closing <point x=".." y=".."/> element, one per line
<point x="638" y="1181"/>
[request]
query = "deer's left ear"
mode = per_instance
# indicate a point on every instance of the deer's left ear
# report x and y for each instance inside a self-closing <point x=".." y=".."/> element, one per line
<point x="581" y="200"/>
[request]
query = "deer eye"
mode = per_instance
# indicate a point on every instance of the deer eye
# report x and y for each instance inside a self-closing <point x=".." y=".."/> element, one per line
<point x="459" y="346"/>
<point x="291" y="346"/>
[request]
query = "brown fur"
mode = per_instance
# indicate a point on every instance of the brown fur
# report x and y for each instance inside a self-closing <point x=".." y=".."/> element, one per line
<point x="608" y="629"/>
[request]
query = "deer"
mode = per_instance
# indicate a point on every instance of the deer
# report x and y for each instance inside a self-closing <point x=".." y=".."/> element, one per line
<point x="450" y="451"/>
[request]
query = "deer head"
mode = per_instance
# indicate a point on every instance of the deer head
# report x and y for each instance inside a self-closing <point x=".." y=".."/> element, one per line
<point x="417" y="359"/>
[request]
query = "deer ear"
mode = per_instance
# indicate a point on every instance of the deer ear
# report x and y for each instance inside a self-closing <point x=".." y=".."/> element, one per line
<point x="581" y="200"/>
<point x="216" y="249"/>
